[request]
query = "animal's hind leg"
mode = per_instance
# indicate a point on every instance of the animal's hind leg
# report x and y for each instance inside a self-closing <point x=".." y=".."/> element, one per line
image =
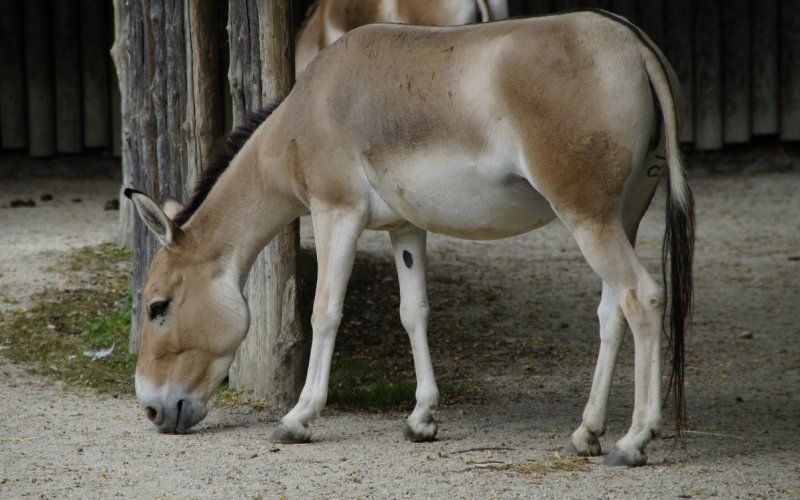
<point x="586" y="438"/>
<point x="408" y="246"/>
<point x="608" y="251"/>
<point x="336" y="233"/>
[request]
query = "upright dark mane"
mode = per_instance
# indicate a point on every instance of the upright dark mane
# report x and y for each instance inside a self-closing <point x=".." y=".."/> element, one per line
<point x="221" y="157"/>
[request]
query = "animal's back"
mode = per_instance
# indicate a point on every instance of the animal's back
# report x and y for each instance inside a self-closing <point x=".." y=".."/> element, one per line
<point x="488" y="107"/>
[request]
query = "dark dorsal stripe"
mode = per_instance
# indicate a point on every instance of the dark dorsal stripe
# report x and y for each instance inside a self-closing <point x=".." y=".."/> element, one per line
<point x="221" y="157"/>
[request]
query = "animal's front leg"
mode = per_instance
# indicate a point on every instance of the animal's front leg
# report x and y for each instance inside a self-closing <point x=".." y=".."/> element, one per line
<point x="408" y="246"/>
<point x="336" y="233"/>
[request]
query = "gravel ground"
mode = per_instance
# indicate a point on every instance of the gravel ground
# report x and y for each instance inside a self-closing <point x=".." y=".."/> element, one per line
<point x="743" y="373"/>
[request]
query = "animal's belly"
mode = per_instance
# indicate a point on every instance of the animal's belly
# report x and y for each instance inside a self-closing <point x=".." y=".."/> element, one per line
<point x="476" y="202"/>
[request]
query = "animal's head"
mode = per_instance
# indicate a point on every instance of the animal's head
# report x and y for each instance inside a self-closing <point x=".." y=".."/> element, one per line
<point x="195" y="318"/>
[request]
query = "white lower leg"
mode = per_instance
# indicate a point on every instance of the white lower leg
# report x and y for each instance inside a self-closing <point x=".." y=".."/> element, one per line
<point x="643" y="309"/>
<point x="409" y="252"/>
<point x="585" y="439"/>
<point x="336" y="234"/>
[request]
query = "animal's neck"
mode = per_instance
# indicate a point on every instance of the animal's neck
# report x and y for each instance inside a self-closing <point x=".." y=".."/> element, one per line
<point x="247" y="207"/>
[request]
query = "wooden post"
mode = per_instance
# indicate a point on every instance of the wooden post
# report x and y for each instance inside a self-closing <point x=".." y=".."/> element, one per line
<point x="39" y="71"/>
<point x="651" y="20"/>
<point x="96" y="93"/>
<point x="765" y="67"/>
<point x="13" y="122"/>
<point x="271" y="361"/>
<point x="708" y="86"/>
<point x="790" y="70"/>
<point x="679" y="51"/>
<point x="67" y="55"/>
<point x="125" y="36"/>
<point x="204" y="121"/>
<point x="625" y="8"/>
<point x="735" y="57"/>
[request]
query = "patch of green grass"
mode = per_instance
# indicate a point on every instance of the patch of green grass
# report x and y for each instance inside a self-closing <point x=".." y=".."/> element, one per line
<point x="53" y="336"/>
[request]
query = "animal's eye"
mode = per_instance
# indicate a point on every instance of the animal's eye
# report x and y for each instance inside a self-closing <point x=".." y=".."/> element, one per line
<point x="158" y="309"/>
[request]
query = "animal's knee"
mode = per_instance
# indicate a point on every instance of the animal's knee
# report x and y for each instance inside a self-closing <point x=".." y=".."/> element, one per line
<point x="643" y="306"/>
<point x="413" y="314"/>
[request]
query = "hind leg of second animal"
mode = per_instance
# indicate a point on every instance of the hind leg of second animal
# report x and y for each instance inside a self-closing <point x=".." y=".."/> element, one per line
<point x="408" y="246"/>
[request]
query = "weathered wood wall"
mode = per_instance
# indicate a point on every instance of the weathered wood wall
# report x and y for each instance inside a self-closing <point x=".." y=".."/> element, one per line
<point x="56" y="84"/>
<point x="738" y="61"/>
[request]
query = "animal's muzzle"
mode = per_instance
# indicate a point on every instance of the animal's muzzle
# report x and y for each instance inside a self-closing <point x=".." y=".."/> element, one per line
<point x="175" y="419"/>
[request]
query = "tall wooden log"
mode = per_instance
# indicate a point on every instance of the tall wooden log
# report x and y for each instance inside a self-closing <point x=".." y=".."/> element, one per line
<point x="13" y="121"/>
<point x="651" y="20"/>
<point x="625" y="8"/>
<point x="678" y="49"/>
<point x="39" y="72"/>
<point x="126" y="34"/>
<point x="271" y="361"/>
<point x="67" y="56"/>
<point x="735" y="56"/>
<point x="765" y="67"/>
<point x="96" y="83"/>
<point x="708" y="69"/>
<point x="204" y="120"/>
<point x="790" y="70"/>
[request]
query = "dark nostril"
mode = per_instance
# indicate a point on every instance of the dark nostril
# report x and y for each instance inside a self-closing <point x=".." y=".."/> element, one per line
<point x="151" y="413"/>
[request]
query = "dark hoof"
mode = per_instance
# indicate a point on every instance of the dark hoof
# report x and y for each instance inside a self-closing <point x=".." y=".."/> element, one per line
<point x="425" y="434"/>
<point x="619" y="458"/>
<point x="285" y="435"/>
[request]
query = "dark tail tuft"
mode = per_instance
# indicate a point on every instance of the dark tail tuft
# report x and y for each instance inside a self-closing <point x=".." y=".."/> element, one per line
<point x="678" y="251"/>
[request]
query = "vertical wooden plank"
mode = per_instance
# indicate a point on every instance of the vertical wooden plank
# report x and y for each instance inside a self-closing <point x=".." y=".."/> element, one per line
<point x="126" y="38"/>
<point x="651" y="20"/>
<point x="39" y="72"/>
<point x="271" y="361"/>
<point x="790" y="70"/>
<point x="13" y="120"/>
<point x="764" y="38"/>
<point x="625" y="8"/>
<point x="538" y="7"/>
<point x="203" y="86"/>
<point x="95" y="42"/>
<point x="735" y="74"/>
<point x="708" y="68"/>
<point x="565" y="5"/>
<point x="67" y="63"/>
<point x="679" y="51"/>
<point x="116" y="98"/>
<point x="173" y="171"/>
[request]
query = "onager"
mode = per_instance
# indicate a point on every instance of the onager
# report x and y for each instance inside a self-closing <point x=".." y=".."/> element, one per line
<point x="327" y="20"/>
<point x="480" y="132"/>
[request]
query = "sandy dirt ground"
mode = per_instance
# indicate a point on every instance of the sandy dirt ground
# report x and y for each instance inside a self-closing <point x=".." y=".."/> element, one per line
<point x="743" y="375"/>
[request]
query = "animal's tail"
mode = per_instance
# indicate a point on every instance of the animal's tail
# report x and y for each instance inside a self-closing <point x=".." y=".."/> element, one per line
<point x="678" y="246"/>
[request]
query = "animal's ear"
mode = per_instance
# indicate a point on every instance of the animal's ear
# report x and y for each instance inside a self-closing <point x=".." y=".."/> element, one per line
<point x="154" y="217"/>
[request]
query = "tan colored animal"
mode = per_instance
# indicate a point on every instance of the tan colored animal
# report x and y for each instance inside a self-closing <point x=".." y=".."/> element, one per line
<point x="327" y="20"/>
<point x="482" y="131"/>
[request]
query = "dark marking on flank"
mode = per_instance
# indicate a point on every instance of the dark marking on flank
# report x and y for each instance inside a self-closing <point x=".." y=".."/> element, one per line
<point x="408" y="258"/>
<point x="654" y="171"/>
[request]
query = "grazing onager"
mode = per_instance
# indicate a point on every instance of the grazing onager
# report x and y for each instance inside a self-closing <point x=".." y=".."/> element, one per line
<point x="480" y="132"/>
<point x="327" y="20"/>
